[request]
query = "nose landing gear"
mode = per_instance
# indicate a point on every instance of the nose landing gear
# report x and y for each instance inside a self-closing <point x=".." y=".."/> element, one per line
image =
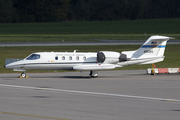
<point x="23" y="75"/>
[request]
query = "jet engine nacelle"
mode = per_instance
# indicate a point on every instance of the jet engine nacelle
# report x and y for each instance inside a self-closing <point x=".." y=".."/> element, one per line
<point x="108" y="57"/>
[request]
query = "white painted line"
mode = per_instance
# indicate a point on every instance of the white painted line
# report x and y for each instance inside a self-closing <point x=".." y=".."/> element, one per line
<point x="90" y="93"/>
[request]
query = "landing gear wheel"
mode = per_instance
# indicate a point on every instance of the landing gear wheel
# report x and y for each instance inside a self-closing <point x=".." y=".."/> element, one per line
<point x="23" y="75"/>
<point x="93" y="74"/>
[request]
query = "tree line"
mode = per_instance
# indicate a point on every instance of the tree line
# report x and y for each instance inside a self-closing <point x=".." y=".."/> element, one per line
<point x="17" y="11"/>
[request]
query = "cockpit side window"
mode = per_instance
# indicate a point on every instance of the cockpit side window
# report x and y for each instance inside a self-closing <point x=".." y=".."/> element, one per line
<point x="33" y="57"/>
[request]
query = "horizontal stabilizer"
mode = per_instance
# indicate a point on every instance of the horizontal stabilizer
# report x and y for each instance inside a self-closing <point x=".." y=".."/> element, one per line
<point x="159" y="38"/>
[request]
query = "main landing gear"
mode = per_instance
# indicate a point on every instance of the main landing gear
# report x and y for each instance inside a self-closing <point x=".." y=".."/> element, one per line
<point x="93" y="73"/>
<point x="23" y="75"/>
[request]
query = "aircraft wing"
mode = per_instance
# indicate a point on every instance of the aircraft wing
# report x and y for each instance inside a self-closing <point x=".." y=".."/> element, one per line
<point x="95" y="66"/>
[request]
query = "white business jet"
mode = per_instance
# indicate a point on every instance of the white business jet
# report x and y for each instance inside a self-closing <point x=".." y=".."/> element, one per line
<point x="151" y="51"/>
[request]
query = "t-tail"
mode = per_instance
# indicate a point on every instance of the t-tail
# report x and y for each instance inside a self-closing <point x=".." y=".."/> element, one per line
<point x="152" y="51"/>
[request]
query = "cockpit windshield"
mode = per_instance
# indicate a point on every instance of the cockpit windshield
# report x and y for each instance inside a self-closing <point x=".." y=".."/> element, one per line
<point x="33" y="57"/>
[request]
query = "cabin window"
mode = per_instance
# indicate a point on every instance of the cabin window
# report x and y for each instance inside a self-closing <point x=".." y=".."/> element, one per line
<point x="77" y="58"/>
<point x="70" y="58"/>
<point x="84" y="58"/>
<point x="63" y="58"/>
<point x="56" y="58"/>
<point x="33" y="57"/>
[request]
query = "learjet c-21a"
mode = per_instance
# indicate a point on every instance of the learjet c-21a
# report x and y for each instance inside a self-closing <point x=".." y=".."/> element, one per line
<point x="151" y="51"/>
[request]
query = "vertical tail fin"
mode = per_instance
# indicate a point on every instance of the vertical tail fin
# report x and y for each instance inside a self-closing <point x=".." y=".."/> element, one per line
<point x="152" y="51"/>
<point x="153" y="47"/>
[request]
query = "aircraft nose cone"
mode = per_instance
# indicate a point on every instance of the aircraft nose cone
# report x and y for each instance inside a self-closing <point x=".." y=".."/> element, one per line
<point x="7" y="66"/>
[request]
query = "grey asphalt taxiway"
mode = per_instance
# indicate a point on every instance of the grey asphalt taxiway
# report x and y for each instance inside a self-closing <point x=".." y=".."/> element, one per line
<point x="114" y="95"/>
<point x="99" y="42"/>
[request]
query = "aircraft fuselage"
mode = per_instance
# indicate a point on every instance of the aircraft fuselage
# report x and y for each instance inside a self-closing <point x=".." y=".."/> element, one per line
<point x="53" y="60"/>
<point x="152" y="51"/>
